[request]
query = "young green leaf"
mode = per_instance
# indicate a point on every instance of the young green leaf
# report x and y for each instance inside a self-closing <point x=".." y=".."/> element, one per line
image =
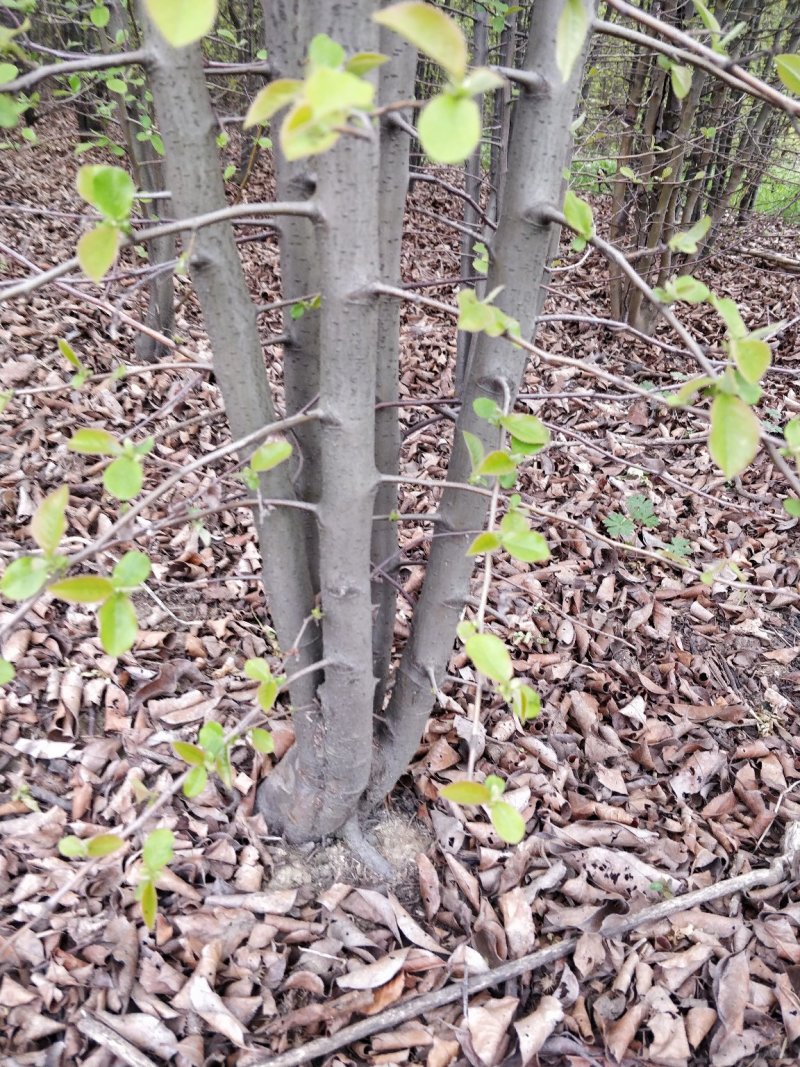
<point x="332" y="94"/>
<point x="526" y="428"/>
<point x="258" y="670"/>
<point x="752" y="356"/>
<point x="791" y="433"/>
<point x="131" y="571"/>
<point x="449" y="128"/>
<point x="573" y="26"/>
<point x="301" y="135"/>
<point x="123" y="479"/>
<point x="508" y="822"/>
<point x="681" y="80"/>
<point x="118" y="624"/>
<point x="148" y="899"/>
<point x="212" y="738"/>
<point x="262" y="741"/>
<point x="97" y="250"/>
<point x="83" y="589"/>
<point x="273" y="97"/>
<point x="578" y="214"/>
<point x="735" y="434"/>
<point x="270" y="455"/>
<point x="68" y="352"/>
<point x="490" y="656"/>
<point x="24" y="577"/>
<point x="526" y="703"/>
<point x="528" y="546"/>
<point x="363" y="62"/>
<point x="475" y="449"/>
<point x="72" y="847"/>
<point x="788" y="68"/>
<point x="431" y="31"/>
<point x="481" y="80"/>
<point x="486" y="408"/>
<point x="49" y="522"/>
<point x="465" y="793"/>
<point x="497" y="463"/>
<point x="730" y="313"/>
<point x="195" y="782"/>
<point x="7" y="672"/>
<point x="266" y="694"/>
<point x="496" y="786"/>
<point x="687" y="288"/>
<point x="792" y="506"/>
<point x="323" y="51"/>
<point x="94" y="443"/>
<point x="180" y="22"/>
<point x="99" y="16"/>
<point x="485" y="542"/>
<point x="103" y="845"/>
<point x="687" y="241"/>
<point x="158" y="850"/>
<point x="619" y="526"/>
<point x="109" y="189"/>
<point x="191" y="754"/>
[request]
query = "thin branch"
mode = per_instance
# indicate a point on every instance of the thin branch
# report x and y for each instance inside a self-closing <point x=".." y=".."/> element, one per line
<point x="304" y="208"/>
<point x="73" y="66"/>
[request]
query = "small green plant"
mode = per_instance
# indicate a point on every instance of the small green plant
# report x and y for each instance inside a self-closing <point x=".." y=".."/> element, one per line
<point x="506" y="820"/>
<point x="124" y="477"/>
<point x="640" y="513"/>
<point x="266" y="457"/>
<point x="157" y="852"/>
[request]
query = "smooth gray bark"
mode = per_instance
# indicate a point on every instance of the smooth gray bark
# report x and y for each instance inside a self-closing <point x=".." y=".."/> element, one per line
<point x="316" y="788"/>
<point x="537" y="148"/>
<point x="396" y="83"/>
<point x="188" y="127"/>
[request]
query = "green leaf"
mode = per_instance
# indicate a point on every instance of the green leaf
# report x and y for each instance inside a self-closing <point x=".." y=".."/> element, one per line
<point x="195" y="782"/>
<point x="325" y="52"/>
<point x="7" y="672"/>
<point x="68" y="352"/>
<point x="640" y="508"/>
<point x="262" y="741"/>
<point x="94" y="443"/>
<point x="271" y="99"/>
<point x="430" y="31"/>
<point x="528" y="547"/>
<point x="465" y="793"/>
<point x="619" y="526"/>
<point x="97" y="250"/>
<point x="117" y="85"/>
<point x="191" y="754"/>
<point x="735" y="433"/>
<point x="709" y="20"/>
<point x="686" y="393"/>
<point x="497" y="463"/>
<point x="270" y="455"/>
<point x="496" y="786"/>
<point x="212" y="738"/>
<point x="363" y="62"/>
<point x="486" y="408"/>
<point x="578" y="214"/>
<point x="49" y="522"/>
<point x="730" y="313"/>
<point x="24" y="577"/>
<point x="332" y="94"/>
<point x="490" y="656"/>
<point x="8" y="72"/>
<point x="124" y="478"/>
<point x="158" y="850"/>
<point x="84" y="589"/>
<point x="223" y="768"/>
<point x="148" y="901"/>
<point x="72" y="847"/>
<point x="266" y="694"/>
<point x="301" y="135"/>
<point x="449" y="128"/>
<point x="573" y="26"/>
<point x="526" y="428"/>
<point x="687" y="241"/>
<point x="788" y="68"/>
<point x="118" y="624"/>
<point x="481" y="80"/>
<point x="485" y="542"/>
<point x="687" y="288"/>
<point x="99" y="16"/>
<point x="507" y="821"/>
<point x="792" y="506"/>
<point x="475" y="449"/>
<point x="131" y="571"/>
<point x="526" y="703"/>
<point x="109" y="189"/>
<point x="791" y="433"/>
<point x="751" y="356"/>
<point x="258" y="669"/>
<point x="481" y="316"/>
<point x="180" y="22"/>
<point x="680" y="547"/>
<point x="103" y="845"/>
<point x="681" y="79"/>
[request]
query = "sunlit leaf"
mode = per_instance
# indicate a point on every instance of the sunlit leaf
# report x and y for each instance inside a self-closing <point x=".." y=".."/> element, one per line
<point x="578" y="214"/>
<point x="118" y="624"/>
<point x="681" y="79"/>
<point x="271" y="99"/>
<point x="94" y="443"/>
<point x="752" y="356"/>
<point x="195" y="782"/>
<point x="430" y="31"/>
<point x="212" y="738"/>
<point x="131" y="571"/>
<point x="323" y="51"/>
<point x="573" y="26"/>
<point x="508" y="822"/>
<point x="262" y="741"/>
<point x="526" y="703"/>
<point x="526" y="428"/>
<point x="475" y="449"/>
<point x="148" y="902"/>
<point x="23" y="577"/>
<point x="83" y="589"/>
<point x="158" y="849"/>
<point x="72" y="847"/>
<point x="687" y="241"/>
<point x="792" y="506"/>
<point x="788" y="68"/>
<point x="191" y="754"/>
<point x="363" y="62"/>
<point x="301" y="135"/>
<point x="449" y="128"/>
<point x="7" y="672"/>
<point x="490" y="656"/>
<point x="270" y="455"/>
<point x="334" y="93"/>
<point x="485" y="542"/>
<point x="103" y="845"/>
<point x="97" y="250"/>
<point x="109" y="189"/>
<point x="266" y="694"/>
<point x="528" y="547"/>
<point x="99" y="16"/>
<point x="497" y="463"/>
<point x="465" y="793"/>
<point x="735" y="433"/>
<point x="687" y="288"/>
<point x="180" y="22"/>
<point x="124" y="478"/>
<point x="50" y="522"/>
<point x="68" y="352"/>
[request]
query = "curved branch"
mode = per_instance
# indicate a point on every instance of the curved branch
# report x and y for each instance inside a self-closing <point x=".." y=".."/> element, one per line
<point x="75" y="66"/>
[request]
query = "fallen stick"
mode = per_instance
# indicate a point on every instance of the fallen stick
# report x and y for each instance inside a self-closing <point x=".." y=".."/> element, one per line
<point x="416" y="1006"/>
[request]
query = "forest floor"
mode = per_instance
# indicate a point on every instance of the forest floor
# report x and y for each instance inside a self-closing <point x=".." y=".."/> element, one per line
<point x="664" y="761"/>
